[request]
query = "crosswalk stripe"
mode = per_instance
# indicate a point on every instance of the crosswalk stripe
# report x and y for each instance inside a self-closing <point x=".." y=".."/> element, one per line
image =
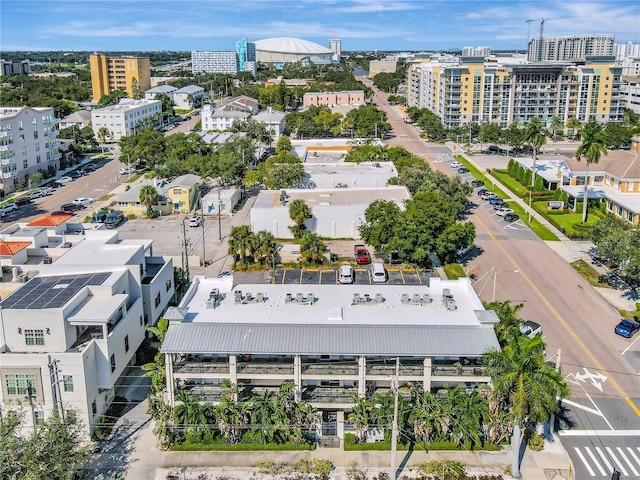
<point x="633" y="469"/>
<point x="604" y="459"/>
<point x="616" y="461"/>
<point x="584" y="461"/>
<point x="593" y="457"/>
<point x="630" y="450"/>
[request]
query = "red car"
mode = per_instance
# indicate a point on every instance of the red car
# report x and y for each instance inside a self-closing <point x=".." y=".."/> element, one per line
<point x="362" y="255"/>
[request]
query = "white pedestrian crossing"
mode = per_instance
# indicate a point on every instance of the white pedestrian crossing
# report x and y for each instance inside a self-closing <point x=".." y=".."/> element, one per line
<point x="601" y="461"/>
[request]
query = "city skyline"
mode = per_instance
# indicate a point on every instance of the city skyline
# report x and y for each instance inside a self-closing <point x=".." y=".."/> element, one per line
<point x="361" y="24"/>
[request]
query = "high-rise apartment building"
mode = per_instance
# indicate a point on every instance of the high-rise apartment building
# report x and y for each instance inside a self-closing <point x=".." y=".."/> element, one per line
<point x="132" y="74"/>
<point x="335" y="45"/>
<point x="472" y="91"/>
<point x="28" y="144"/>
<point x="476" y="51"/>
<point x="21" y="67"/>
<point x="624" y="50"/>
<point x="214" y="61"/>
<point x="246" y="52"/>
<point x="570" y="48"/>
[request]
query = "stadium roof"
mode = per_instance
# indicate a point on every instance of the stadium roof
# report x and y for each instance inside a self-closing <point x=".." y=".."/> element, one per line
<point x="291" y="45"/>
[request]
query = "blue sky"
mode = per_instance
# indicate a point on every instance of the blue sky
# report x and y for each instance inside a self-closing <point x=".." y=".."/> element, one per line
<point x="120" y="25"/>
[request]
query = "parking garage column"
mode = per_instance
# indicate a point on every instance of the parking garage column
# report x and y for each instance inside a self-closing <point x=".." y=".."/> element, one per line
<point x="426" y="387"/>
<point x="297" y="377"/>
<point x="233" y="370"/>
<point x="170" y="384"/>
<point x="362" y="375"/>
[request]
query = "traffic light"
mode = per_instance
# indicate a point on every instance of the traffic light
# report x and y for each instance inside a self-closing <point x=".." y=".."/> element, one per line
<point x="615" y="475"/>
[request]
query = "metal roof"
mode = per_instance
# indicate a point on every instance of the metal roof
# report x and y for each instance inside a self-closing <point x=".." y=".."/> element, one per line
<point x="287" y="339"/>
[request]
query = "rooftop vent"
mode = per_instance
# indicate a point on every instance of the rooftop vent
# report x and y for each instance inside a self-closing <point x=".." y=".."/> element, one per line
<point x="367" y="299"/>
<point x="300" y="299"/>
<point x="415" y="299"/>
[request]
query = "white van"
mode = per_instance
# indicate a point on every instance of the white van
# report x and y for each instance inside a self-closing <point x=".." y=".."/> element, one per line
<point x="378" y="273"/>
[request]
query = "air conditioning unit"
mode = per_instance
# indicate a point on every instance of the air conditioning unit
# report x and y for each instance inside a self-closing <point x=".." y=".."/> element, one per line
<point x="47" y="260"/>
<point x="23" y="278"/>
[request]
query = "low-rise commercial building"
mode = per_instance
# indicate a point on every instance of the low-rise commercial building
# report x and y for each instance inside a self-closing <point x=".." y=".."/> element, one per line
<point x="348" y="175"/>
<point x="330" y="341"/>
<point x="181" y="195"/>
<point x="69" y="333"/>
<point x="28" y="145"/>
<point x="348" y="98"/>
<point x="126" y="118"/>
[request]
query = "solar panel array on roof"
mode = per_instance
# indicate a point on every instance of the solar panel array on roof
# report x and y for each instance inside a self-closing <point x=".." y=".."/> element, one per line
<point x="51" y="292"/>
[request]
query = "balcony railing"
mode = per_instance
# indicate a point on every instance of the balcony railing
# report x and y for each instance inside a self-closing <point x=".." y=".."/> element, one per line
<point x="8" y="161"/>
<point x="329" y="369"/>
<point x="203" y="393"/>
<point x="4" y="133"/>
<point x="254" y="368"/>
<point x="412" y="370"/>
<point x="9" y="174"/>
<point x="189" y="368"/>
<point x="6" y="148"/>
<point x="442" y="371"/>
<point x="328" y="394"/>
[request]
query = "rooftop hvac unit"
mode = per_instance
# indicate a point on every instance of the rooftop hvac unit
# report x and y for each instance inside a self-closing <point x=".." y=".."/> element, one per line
<point x="47" y="260"/>
<point x="23" y="278"/>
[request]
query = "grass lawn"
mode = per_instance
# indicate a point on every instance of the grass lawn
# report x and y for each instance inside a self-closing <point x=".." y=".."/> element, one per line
<point x="453" y="271"/>
<point x="511" y="183"/>
<point x="588" y="273"/>
<point x="538" y="228"/>
<point x="566" y="222"/>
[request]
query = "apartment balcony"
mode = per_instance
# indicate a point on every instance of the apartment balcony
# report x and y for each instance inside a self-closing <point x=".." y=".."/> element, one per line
<point x="252" y="369"/>
<point x="189" y="369"/>
<point x="202" y="393"/>
<point x="320" y="396"/>
<point x="389" y="370"/>
<point x="54" y="145"/>
<point x="6" y="148"/>
<point x="5" y="133"/>
<point x="318" y="370"/>
<point x="8" y="161"/>
<point x="56" y="156"/>
<point x="9" y="174"/>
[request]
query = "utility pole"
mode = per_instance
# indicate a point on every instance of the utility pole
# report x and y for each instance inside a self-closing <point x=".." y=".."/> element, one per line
<point x="394" y="428"/>
<point x="30" y="395"/>
<point x="186" y="251"/>
<point x="220" y="212"/>
<point x="204" y="256"/>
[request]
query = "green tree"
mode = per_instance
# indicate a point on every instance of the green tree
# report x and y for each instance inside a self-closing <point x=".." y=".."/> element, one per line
<point x="382" y="220"/>
<point x="149" y="197"/>
<point x="299" y="212"/>
<point x="35" y="179"/>
<point x="240" y="242"/>
<point x="536" y="136"/>
<point x="137" y="91"/>
<point x="312" y="248"/>
<point x="167" y="105"/>
<point x="156" y="369"/>
<point x="509" y="320"/>
<point x="265" y="247"/>
<point x="618" y="244"/>
<point x="557" y="125"/>
<point x="522" y="380"/>
<point x="574" y="125"/>
<point x="360" y="416"/>
<point x="283" y="145"/>
<point x="103" y="134"/>
<point x="112" y="98"/>
<point x="591" y="148"/>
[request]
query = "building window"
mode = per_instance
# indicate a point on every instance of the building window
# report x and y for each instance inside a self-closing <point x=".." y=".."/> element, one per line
<point x="35" y="135"/>
<point x="38" y="159"/>
<point x="20" y="384"/>
<point x="126" y="343"/>
<point x="34" y="337"/>
<point x="168" y="284"/>
<point x="39" y="417"/>
<point x="94" y="408"/>
<point x="157" y="299"/>
<point x="67" y="381"/>
<point x="25" y="163"/>
<point x="113" y="363"/>
<point x="34" y="121"/>
<point x="21" y="127"/>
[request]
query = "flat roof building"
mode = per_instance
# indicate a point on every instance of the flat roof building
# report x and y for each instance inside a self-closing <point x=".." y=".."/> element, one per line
<point x="214" y="62"/>
<point x="126" y="118"/>
<point x="131" y="74"/>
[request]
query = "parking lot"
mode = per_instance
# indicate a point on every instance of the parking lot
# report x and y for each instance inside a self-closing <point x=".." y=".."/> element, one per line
<point x="329" y="276"/>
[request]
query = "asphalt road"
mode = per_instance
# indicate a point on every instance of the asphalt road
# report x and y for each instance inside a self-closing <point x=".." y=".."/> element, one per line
<point x="576" y="320"/>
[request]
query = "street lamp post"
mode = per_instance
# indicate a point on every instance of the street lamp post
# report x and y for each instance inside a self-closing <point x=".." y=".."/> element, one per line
<point x="495" y="278"/>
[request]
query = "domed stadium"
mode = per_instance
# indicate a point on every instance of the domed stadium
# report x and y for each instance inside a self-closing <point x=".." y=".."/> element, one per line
<point x="289" y="50"/>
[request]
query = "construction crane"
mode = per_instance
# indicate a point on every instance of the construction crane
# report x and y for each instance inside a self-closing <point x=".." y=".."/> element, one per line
<point x="541" y="20"/>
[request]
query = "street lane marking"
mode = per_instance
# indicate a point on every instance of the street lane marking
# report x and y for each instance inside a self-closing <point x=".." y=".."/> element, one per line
<point x="604" y="459"/>
<point x="589" y="397"/>
<point x="630" y="345"/>
<point x="595" y="461"/>
<point x="599" y="433"/>
<point x="562" y="321"/>
<point x="617" y="462"/>
<point x="631" y="467"/>
<point x="584" y="461"/>
<point x="582" y="407"/>
<point x="632" y="453"/>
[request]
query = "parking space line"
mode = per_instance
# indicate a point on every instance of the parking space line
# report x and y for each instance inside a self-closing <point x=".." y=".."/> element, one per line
<point x="301" y="273"/>
<point x="419" y="278"/>
<point x="402" y="277"/>
<point x="284" y="275"/>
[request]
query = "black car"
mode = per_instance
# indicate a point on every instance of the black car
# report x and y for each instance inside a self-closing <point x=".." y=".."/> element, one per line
<point x="100" y="217"/>
<point x="71" y="207"/>
<point x="498" y="203"/>
<point x="477" y="183"/>
<point x="463" y="170"/>
<point x="510" y="217"/>
<point x="74" y="175"/>
<point x="54" y="184"/>
<point x="89" y="168"/>
<point x="22" y="201"/>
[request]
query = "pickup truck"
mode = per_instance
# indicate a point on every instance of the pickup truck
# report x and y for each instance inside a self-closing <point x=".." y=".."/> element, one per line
<point x="362" y="255"/>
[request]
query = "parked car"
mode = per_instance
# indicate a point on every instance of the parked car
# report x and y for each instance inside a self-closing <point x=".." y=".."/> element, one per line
<point x="89" y="167"/>
<point x="482" y="191"/>
<point x="55" y="184"/>
<point x="627" y="328"/>
<point x="25" y="200"/>
<point x="125" y="171"/>
<point x="455" y="165"/>
<point x="530" y="329"/>
<point x="74" y="175"/>
<point x="71" y="207"/>
<point x="378" y="273"/>
<point x="346" y="274"/>
<point x="8" y="208"/>
<point x="46" y="191"/>
<point x="195" y="221"/>
<point x="477" y="183"/>
<point x="462" y="170"/>
<point x="511" y="217"/>
<point x="64" y="180"/>
<point x="114" y="219"/>
<point x="494" y="199"/>
<point x="84" y="201"/>
<point x="362" y="255"/>
<point x="100" y="216"/>
<point x="487" y="195"/>
<point x="394" y="258"/>
<point x="501" y="212"/>
<point x="57" y="213"/>
<point x="498" y="203"/>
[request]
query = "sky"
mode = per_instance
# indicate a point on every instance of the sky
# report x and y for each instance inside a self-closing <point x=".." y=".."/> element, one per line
<point x="397" y="25"/>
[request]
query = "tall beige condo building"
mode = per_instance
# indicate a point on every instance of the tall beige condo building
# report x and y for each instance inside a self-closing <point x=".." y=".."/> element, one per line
<point x="118" y="73"/>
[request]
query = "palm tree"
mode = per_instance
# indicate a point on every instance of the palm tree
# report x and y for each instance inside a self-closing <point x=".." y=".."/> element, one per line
<point x="575" y="125"/>
<point x="264" y="249"/>
<point x="149" y="197"/>
<point x="360" y="416"/>
<point x="522" y="380"/>
<point x="262" y="412"/>
<point x="190" y="414"/>
<point x="103" y="134"/>
<point x="312" y="248"/>
<point x="509" y="319"/>
<point x="536" y="136"/>
<point x="593" y="146"/>
<point x="557" y="125"/>
<point x="424" y="416"/>
<point x="240" y="241"/>
<point x="299" y="212"/>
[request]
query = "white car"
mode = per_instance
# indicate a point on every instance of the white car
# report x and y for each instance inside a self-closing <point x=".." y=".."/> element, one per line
<point x="64" y="180"/>
<point x="195" y="221"/>
<point x="455" y="165"/>
<point x="8" y="208"/>
<point x="346" y="274"/>
<point x="503" y="211"/>
<point x="46" y="191"/>
<point x="84" y="201"/>
<point x="36" y="194"/>
<point x="125" y="171"/>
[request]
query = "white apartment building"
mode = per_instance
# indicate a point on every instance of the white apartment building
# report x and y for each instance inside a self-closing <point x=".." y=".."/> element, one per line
<point x="570" y="48"/>
<point x="476" y="52"/>
<point x="330" y="341"/>
<point x="273" y="119"/>
<point x="69" y="333"/>
<point x="624" y="50"/>
<point x="159" y="90"/>
<point x="220" y="119"/>
<point x="126" y="118"/>
<point x="189" y="97"/>
<point x="28" y="144"/>
<point x="630" y="91"/>
<point x="214" y="62"/>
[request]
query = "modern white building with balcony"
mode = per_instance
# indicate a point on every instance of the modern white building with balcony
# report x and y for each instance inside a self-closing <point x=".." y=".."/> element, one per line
<point x="28" y="144"/>
<point x="69" y="333"/>
<point x="126" y="118"/>
<point x="330" y="341"/>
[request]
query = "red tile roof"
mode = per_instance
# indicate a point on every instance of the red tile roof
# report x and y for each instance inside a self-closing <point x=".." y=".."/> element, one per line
<point x="49" y="221"/>
<point x="11" y="248"/>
